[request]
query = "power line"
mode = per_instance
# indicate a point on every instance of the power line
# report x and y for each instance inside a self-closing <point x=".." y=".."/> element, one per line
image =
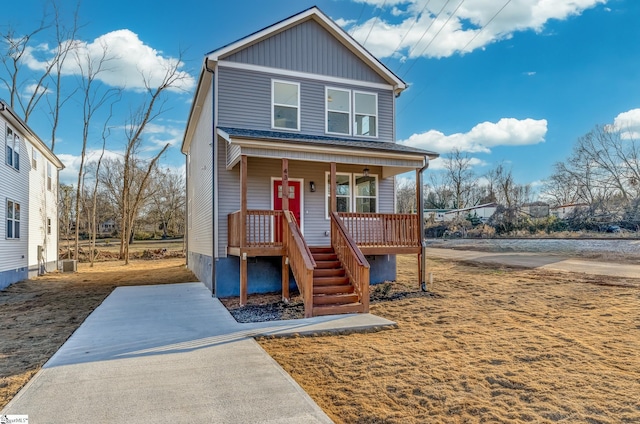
<point x="424" y="33"/>
<point x="411" y="27"/>
<point x="482" y="29"/>
<point x="375" y="21"/>
<point x="474" y="37"/>
<point x="434" y="37"/>
<point x="353" y="29"/>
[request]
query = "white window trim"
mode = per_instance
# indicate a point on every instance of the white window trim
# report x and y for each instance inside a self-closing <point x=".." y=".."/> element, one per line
<point x="352" y="191"/>
<point x="326" y="110"/>
<point x="13" y="220"/>
<point x="301" y="181"/>
<point x="354" y="112"/>
<point x="274" y="104"/>
<point x="49" y="176"/>
<point x="16" y="140"/>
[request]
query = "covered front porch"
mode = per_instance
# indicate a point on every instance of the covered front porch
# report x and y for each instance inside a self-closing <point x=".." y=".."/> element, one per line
<point x="325" y="250"/>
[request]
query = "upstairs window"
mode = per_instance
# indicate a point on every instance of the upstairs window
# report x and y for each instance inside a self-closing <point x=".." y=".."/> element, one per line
<point x="34" y="158"/>
<point x="365" y="109"/>
<point x="338" y="111"/>
<point x="12" y="142"/>
<point x="13" y="220"/>
<point x="285" y="98"/>
<point x="351" y="112"/>
<point x="49" y="177"/>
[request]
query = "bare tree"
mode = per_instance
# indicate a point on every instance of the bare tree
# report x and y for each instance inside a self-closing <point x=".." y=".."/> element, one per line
<point x="405" y="196"/>
<point x="167" y="199"/>
<point x="94" y="97"/>
<point x="460" y="177"/>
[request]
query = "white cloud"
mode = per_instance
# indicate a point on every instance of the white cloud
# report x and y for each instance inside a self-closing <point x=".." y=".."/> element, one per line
<point x="456" y="31"/>
<point x="628" y="123"/>
<point x="438" y="164"/>
<point x="69" y="175"/>
<point x="129" y="62"/>
<point x="506" y="132"/>
<point x="159" y="135"/>
<point x="530" y="73"/>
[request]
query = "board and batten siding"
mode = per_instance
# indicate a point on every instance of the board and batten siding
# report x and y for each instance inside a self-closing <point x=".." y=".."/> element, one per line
<point x="199" y="183"/>
<point x="244" y="101"/>
<point x="14" y="185"/>
<point x="260" y="172"/>
<point x="42" y="206"/>
<point x="307" y="47"/>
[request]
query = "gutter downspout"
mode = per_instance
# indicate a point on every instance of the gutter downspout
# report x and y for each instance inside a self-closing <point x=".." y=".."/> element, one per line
<point x="420" y="211"/>
<point x="214" y="172"/>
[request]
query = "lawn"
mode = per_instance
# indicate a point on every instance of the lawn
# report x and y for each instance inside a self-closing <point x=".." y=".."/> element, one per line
<point x="490" y="345"/>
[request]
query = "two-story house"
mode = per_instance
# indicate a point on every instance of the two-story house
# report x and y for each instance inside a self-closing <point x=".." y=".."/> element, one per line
<point x="28" y="201"/>
<point x="291" y="159"/>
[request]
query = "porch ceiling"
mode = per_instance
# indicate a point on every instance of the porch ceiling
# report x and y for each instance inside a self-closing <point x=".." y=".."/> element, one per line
<point x="394" y="158"/>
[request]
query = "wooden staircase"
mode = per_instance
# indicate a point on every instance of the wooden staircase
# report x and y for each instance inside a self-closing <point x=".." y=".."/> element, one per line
<point x="333" y="293"/>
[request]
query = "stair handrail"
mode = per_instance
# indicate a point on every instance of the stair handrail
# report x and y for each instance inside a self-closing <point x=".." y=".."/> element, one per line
<point x="355" y="264"/>
<point x="300" y="260"/>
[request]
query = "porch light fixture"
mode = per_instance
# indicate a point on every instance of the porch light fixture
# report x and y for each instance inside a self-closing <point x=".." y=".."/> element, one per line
<point x="365" y="172"/>
<point x="312" y="186"/>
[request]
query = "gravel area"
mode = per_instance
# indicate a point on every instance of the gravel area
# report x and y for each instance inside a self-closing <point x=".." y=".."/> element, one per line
<point x="622" y="250"/>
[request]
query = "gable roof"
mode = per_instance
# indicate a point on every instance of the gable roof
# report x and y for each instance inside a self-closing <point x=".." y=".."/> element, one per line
<point x="328" y="24"/>
<point x="11" y="116"/>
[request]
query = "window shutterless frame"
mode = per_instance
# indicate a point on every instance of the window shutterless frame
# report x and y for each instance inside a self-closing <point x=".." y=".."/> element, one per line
<point x="355" y="196"/>
<point x="365" y="114"/>
<point x="337" y="106"/>
<point x="285" y="105"/>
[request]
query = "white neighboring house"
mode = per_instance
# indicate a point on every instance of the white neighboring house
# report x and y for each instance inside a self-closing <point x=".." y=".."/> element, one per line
<point x="28" y="201"/>
<point x="563" y="211"/>
<point x="483" y="212"/>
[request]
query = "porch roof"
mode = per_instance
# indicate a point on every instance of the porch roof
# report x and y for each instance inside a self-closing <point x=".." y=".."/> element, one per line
<point x="286" y="144"/>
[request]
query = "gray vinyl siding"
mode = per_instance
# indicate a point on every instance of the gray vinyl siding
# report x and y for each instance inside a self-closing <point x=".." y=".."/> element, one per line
<point x="260" y="172"/>
<point x="199" y="183"/>
<point x="245" y="102"/>
<point x="307" y="47"/>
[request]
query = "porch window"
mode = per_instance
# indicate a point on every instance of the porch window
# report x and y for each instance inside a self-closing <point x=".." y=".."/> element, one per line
<point x="12" y="143"/>
<point x="365" y="107"/>
<point x="13" y="220"/>
<point x="366" y="193"/>
<point x="354" y="192"/>
<point x="338" y="106"/>
<point x="285" y="97"/>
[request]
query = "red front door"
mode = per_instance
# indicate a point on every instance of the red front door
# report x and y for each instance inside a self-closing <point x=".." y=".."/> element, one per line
<point x="294" y="197"/>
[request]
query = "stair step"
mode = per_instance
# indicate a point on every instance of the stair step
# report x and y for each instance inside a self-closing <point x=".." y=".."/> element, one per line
<point x="321" y="249"/>
<point x="336" y="289"/>
<point x="330" y="281"/>
<point x="349" y="308"/>
<point x="327" y="264"/>
<point x="335" y="299"/>
<point x="324" y="256"/>
<point x="328" y="272"/>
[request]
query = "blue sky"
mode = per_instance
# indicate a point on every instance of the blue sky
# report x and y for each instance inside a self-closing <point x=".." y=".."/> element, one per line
<point x="516" y="87"/>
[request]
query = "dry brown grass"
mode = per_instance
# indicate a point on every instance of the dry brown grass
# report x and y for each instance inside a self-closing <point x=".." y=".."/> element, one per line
<point x="37" y="316"/>
<point x="494" y="345"/>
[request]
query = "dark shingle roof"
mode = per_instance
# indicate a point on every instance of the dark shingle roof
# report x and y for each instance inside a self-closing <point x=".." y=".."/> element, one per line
<point x="317" y="140"/>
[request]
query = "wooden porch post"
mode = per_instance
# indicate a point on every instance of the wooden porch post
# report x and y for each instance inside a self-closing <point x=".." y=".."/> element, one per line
<point x="333" y="201"/>
<point x="285" y="229"/>
<point x="243" y="230"/>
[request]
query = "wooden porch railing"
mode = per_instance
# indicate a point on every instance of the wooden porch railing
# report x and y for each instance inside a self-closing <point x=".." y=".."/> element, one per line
<point x="300" y="260"/>
<point x="263" y="229"/>
<point x="383" y="231"/>
<point x="353" y="261"/>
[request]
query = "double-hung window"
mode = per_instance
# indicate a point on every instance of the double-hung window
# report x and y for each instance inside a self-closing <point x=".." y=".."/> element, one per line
<point x="49" y="177"/>
<point x="354" y="192"/>
<point x="351" y="112"/>
<point x="12" y="142"/>
<point x="13" y="220"/>
<point x="285" y="111"/>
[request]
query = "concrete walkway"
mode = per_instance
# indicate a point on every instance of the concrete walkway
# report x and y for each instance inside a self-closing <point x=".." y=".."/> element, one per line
<point x="541" y="260"/>
<point x="172" y="353"/>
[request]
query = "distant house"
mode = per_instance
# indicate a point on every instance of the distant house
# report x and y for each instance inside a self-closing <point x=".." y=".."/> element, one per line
<point x="564" y="211"/>
<point x="483" y="212"/>
<point x="436" y="214"/>
<point x="28" y="201"/>
<point x="535" y="209"/>
<point x="291" y="165"/>
<point x="107" y="228"/>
